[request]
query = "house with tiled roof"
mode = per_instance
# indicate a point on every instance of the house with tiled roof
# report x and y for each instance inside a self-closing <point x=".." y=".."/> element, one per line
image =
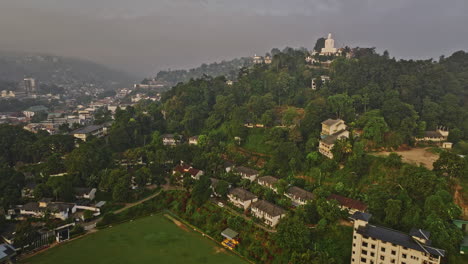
<point x="241" y="198"/>
<point x="269" y="213"/>
<point x="349" y="204"/>
<point x="185" y="168"/>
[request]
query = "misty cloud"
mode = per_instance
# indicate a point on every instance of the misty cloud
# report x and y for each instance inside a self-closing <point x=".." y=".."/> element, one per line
<point x="144" y="36"/>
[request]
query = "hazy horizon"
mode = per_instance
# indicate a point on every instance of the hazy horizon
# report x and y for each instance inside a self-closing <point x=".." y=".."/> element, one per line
<point x="144" y="36"/>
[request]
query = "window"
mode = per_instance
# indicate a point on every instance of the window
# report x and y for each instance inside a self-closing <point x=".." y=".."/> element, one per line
<point x="354" y="237"/>
<point x="364" y="252"/>
<point x="393" y="252"/>
<point x="382" y="249"/>
<point x="372" y="254"/>
<point x="403" y="256"/>
<point x="364" y="244"/>
<point x="392" y="261"/>
<point x="382" y="257"/>
<point x="363" y="260"/>
<point x="372" y="246"/>
<point x="354" y="252"/>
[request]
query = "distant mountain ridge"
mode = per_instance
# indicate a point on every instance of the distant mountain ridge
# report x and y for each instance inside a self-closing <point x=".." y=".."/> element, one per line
<point x="59" y="70"/>
<point x="229" y="68"/>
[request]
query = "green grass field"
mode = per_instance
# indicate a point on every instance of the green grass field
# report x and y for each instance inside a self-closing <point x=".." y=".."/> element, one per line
<point x="153" y="239"/>
<point x="256" y="141"/>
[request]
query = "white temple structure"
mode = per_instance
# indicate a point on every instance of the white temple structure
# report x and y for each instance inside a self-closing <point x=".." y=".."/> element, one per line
<point x="329" y="48"/>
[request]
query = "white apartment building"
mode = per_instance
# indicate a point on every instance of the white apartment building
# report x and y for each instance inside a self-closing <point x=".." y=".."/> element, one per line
<point x="380" y="245"/>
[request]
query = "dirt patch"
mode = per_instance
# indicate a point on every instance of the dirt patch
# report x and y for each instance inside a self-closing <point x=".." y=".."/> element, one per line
<point x="177" y="222"/>
<point x="415" y="156"/>
<point x="460" y="201"/>
<point x="219" y="250"/>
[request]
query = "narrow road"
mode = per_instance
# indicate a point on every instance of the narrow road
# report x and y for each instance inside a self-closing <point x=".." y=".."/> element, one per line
<point x="166" y="187"/>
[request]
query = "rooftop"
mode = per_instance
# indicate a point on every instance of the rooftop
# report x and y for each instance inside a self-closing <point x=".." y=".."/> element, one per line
<point x="331" y="122"/>
<point x="245" y="170"/>
<point x="6" y="251"/>
<point x="37" y="108"/>
<point x="268" y="208"/>
<point x="268" y="179"/>
<point x="348" y="202"/>
<point x="433" y="134"/>
<point x="331" y="139"/>
<point x="242" y="194"/>
<point x="300" y="193"/>
<point x="229" y="233"/>
<point x="86" y="130"/>
<point x="82" y="190"/>
<point x="398" y="238"/>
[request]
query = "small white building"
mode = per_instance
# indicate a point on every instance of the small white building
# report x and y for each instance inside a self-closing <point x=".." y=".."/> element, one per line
<point x="324" y="79"/>
<point x="193" y="140"/>
<point x="170" y="140"/>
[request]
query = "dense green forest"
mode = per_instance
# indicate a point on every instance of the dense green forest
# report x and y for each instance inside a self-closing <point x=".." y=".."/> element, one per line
<point x="385" y="102"/>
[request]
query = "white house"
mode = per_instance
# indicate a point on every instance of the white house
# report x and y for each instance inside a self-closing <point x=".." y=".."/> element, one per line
<point x="246" y="173"/>
<point x="332" y="130"/>
<point x="268" y="212"/>
<point x="241" y="197"/>
<point x="56" y="209"/>
<point x="299" y="196"/>
<point x="268" y="182"/>
<point x="170" y="139"/>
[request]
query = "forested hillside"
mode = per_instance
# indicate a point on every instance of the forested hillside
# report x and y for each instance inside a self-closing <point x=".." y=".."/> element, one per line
<point x="58" y="70"/>
<point x="229" y="69"/>
<point x="386" y="104"/>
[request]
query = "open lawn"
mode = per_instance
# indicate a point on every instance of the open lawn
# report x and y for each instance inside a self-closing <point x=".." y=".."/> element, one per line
<point x="153" y="239"/>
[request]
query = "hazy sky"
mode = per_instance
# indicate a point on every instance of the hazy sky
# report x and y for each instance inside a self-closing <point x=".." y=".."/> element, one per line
<point x="144" y="36"/>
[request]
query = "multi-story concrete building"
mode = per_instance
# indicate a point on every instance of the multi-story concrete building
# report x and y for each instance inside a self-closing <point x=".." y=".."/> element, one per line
<point x="332" y="130"/>
<point x="379" y="245"/>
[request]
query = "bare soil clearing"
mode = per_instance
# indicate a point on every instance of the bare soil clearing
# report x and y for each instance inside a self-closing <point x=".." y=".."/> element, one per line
<point x="415" y="156"/>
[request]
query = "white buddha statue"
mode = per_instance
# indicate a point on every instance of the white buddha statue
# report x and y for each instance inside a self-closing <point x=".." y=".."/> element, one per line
<point x="329" y="48"/>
